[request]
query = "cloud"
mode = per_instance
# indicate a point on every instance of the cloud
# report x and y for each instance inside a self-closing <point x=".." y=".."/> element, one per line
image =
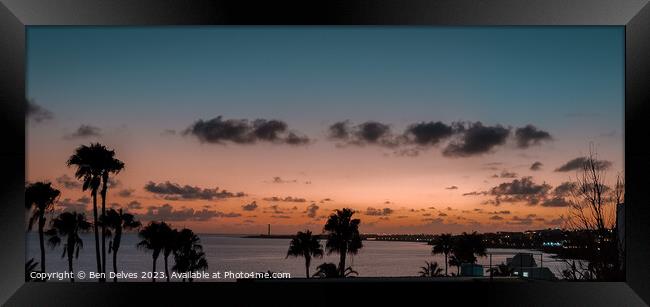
<point x="280" y="180"/>
<point x="496" y="218"/>
<point x="526" y="191"/>
<point x="84" y="131"/>
<point x="499" y="212"/>
<point x="228" y="215"/>
<point x="433" y="220"/>
<point x="453" y="187"/>
<point x="286" y="199"/>
<point x="475" y="193"/>
<point x="68" y="182"/>
<point x="558" y="197"/>
<point x="174" y="191"/>
<point x="378" y="212"/>
<point x="520" y="190"/>
<point x="467" y="139"/>
<point x="243" y="131"/>
<point x="280" y="216"/>
<point x="324" y="200"/>
<point x="367" y="133"/>
<point x="556" y="202"/>
<point x="521" y="221"/>
<point x="579" y="163"/>
<point x="442" y="214"/>
<point x="84" y="199"/>
<point x="249" y="207"/>
<point x="125" y="192"/>
<point x="536" y="166"/>
<point x="506" y="174"/>
<point x="476" y="139"/>
<point x="555" y="222"/>
<point x="167" y="213"/>
<point x="530" y="135"/>
<point x="38" y="113"/>
<point x="134" y="205"/>
<point x="70" y="205"/>
<point x="277" y="210"/>
<point x="428" y="133"/>
<point x="564" y="189"/>
<point x="312" y="210"/>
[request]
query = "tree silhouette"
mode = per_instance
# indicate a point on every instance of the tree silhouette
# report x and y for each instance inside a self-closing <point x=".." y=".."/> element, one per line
<point x="88" y="161"/>
<point x="443" y="244"/>
<point x="153" y="238"/>
<point x="170" y="244"/>
<point x="454" y="261"/>
<point x="467" y="246"/>
<point x="592" y="211"/>
<point x="189" y="255"/>
<point x="342" y="235"/>
<point x="307" y="246"/>
<point x="117" y="221"/>
<point x="40" y="197"/>
<point x="68" y="225"/>
<point x="430" y="269"/>
<point x="108" y="165"/>
<point x="30" y="265"/>
<point x="329" y="270"/>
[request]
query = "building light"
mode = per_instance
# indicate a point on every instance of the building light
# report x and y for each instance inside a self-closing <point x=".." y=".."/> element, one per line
<point x="525" y="274"/>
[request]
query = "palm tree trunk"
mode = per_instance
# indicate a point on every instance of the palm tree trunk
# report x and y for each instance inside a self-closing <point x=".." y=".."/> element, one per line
<point x="166" y="269"/>
<point x="41" y="240"/>
<point x="307" y="262"/>
<point x="70" y="267"/>
<point x="153" y="271"/>
<point x="103" y="195"/>
<point x="342" y="261"/>
<point x="115" y="264"/>
<point x="446" y="263"/>
<point x="96" y="228"/>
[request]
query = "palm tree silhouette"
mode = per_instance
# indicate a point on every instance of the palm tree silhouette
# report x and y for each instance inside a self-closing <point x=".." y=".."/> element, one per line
<point x="443" y="244"/>
<point x="465" y="249"/>
<point x="153" y="238"/>
<point x="117" y="221"/>
<point x="189" y="255"/>
<point x="89" y="163"/>
<point x="40" y="197"/>
<point x="342" y="235"/>
<point x="30" y="265"/>
<point x="170" y="244"/>
<point x="329" y="270"/>
<point x="455" y="261"/>
<point x="108" y="164"/>
<point x="467" y="246"/>
<point x="305" y="245"/>
<point x="69" y="225"/>
<point x="430" y="269"/>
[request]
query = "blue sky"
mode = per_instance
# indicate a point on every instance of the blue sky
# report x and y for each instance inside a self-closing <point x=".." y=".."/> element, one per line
<point x="469" y="73"/>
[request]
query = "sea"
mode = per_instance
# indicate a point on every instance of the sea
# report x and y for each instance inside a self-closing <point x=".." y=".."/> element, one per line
<point x="242" y="257"/>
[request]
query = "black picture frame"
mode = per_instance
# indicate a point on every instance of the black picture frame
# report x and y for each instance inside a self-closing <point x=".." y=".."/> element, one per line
<point x="634" y="15"/>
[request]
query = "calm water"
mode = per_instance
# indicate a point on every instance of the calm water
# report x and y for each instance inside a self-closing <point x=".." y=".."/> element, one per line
<point x="231" y="253"/>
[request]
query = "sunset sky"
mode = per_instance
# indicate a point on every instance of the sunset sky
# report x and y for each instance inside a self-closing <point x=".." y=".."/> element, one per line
<point x="419" y="129"/>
